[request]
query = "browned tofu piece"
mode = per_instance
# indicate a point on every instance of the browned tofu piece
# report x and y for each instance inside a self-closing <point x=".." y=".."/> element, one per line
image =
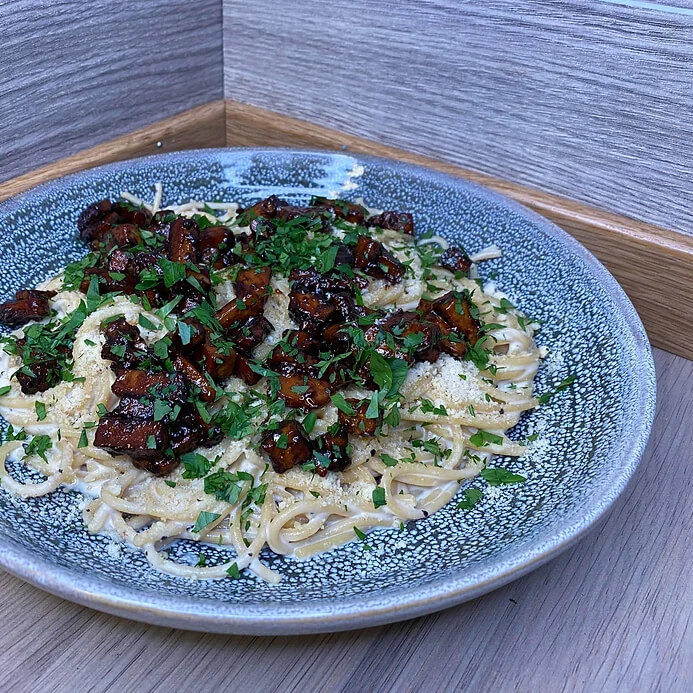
<point x="133" y="408"/>
<point x="185" y="434"/>
<point x="349" y="211"/>
<point x="306" y="307"/>
<point x="455" y="310"/>
<point x="416" y="339"/>
<point x="450" y="342"/>
<point x="425" y="307"/>
<point x="366" y="252"/>
<point x="346" y="307"/>
<point x="108" y="281"/>
<point x="197" y="336"/>
<point x="397" y="221"/>
<point x="358" y="424"/>
<point x="262" y="229"/>
<point x="161" y="466"/>
<point x="195" y="376"/>
<point x="211" y="434"/>
<point x="148" y="260"/>
<point x="290" y="361"/>
<point x="315" y="299"/>
<point x="402" y="325"/>
<point x="266" y="208"/>
<point x="214" y="244"/>
<point x="160" y="223"/>
<point x="375" y="260"/>
<point x="455" y="260"/>
<point x="140" y="439"/>
<point x="336" y="338"/>
<point x="120" y="261"/>
<point x="34" y="294"/>
<point x="303" y="341"/>
<point x="27" y="305"/>
<point x="201" y="278"/>
<point x="428" y="348"/>
<point x="138" y="217"/>
<point x="304" y="392"/>
<point x="335" y="447"/>
<point x="345" y="256"/>
<point x="123" y="344"/>
<point x="211" y="237"/>
<point x="99" y="216"/>
<point x="170" y="387"/>
<point x="218" y="364"/>
<point x="194" y="289"/>
<point x="242" y="369"/>
<point x="96" y="217"/>
<point x="182" y="240"/>
<point x="287" y="446"/>
<point x="119" y="236"/>
<point x="44" y="375"/>
<point x="237" y="311"/>
<point x="252" y="281"/>
<point x="252" y="334"/>
<point x="40" y="371"/>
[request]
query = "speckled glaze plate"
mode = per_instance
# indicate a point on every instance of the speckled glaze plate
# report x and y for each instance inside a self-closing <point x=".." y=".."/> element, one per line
<point x="592" y="434"/>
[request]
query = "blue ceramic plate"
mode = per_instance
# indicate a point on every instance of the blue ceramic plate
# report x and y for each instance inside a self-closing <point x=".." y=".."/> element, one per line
<point x="593" y="433"/>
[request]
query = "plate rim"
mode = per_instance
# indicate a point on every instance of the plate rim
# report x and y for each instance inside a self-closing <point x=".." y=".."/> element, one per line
<point x="385" y="606"/>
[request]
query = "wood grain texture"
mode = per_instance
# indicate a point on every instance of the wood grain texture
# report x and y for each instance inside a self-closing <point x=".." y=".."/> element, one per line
<point x="611" y="614"/>
<point x="591" y="100"/>
<point x="78" y="73"/>
<point x="203" y="126"/>
<point x="653" y="264"/>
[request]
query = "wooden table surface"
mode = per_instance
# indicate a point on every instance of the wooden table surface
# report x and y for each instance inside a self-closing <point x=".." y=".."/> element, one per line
<point x="611" y="614"/>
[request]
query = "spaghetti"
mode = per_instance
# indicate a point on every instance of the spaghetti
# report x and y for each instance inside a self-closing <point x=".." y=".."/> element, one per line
<point x="452" y="415"/>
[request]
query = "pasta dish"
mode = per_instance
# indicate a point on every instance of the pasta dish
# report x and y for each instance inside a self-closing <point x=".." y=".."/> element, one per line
<point x="271" y="377"/>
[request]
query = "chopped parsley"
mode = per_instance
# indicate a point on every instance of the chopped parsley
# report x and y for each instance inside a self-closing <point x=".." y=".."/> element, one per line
<point x="495" y="476"/>
<point x="471" y="497"/>
<point x="204" y="519"/>
<point x="40" y="410"/>
<point x="38" y="445"/>
<point x="196" y="465"/>
<point x="388" y="460"/>
<point x="145" y="322"/>
<point x="379" y="497"/>
<point x="482" y="438"/>
<point x="226" y="486"/>
<point x="173" y="272"/>
<point x="309" y="422"/>
<point x="341" y="404"/>
<point x="563" y="385"/>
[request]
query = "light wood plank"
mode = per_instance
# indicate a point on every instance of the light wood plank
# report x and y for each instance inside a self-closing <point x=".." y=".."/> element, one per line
<point x="202" y="126"/>
<point x="586" y="99"/>
<point x="611" y="614"/>
<point x="78" y="73"/>
<point x="653" y="264"/>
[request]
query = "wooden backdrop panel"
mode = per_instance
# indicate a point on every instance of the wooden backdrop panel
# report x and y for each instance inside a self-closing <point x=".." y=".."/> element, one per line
<point x="76" y="73"/>
<point x="587" y="99"/>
